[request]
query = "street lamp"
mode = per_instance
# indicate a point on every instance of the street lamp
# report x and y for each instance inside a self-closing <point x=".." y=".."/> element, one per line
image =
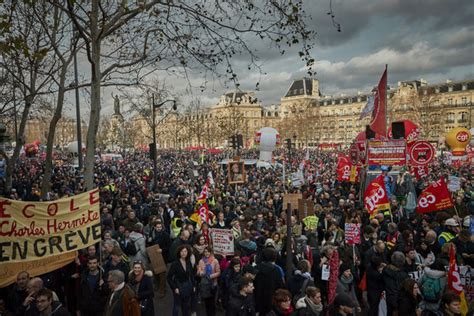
<point x="155" y="106"/>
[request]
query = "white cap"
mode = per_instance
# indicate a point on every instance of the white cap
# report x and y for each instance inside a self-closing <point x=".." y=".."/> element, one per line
<point x="451" y="222"/>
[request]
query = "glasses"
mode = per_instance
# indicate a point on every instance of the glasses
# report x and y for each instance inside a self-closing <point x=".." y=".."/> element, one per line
<point x="137" y="262"/>
<point x="285" y="300"/>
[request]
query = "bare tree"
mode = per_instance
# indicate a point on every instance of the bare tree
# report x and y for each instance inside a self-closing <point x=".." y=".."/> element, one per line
<point x="123" y="38"/>
<point x="27" y="59"/>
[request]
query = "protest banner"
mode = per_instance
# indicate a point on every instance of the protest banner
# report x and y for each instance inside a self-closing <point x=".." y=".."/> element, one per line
<point x="352" y="233"/>
<point x="222" y="241"/>
<point x="386" y="152"/>
<point x="35" y="230"/>
<point x="291" y="198"/>
<point x="158" y="264"/>
<point x="10" y="270"/>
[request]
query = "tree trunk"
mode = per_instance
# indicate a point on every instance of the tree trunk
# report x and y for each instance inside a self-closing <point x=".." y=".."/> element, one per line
<point x="20" y="141"/>
<point x="46" y="182"/>
<point x="94" y="118"/>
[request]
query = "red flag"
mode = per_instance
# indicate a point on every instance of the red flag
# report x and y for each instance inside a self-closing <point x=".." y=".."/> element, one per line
<point x="379" y="120"/>
<point x="434" y="198"/>
<point x="454" y="280"/>
<point x="375" y="196"/>
<point x="343" y="169"/>
<point x="420" y="171"/>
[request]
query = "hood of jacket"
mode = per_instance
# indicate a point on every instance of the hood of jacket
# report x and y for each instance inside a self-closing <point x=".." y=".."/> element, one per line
<point x="134" y="236"/>
<point x="435" y="274"/>
<point x="300" y="303"/>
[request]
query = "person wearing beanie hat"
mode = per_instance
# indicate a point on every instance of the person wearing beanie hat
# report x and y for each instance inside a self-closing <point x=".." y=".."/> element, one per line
<point x="451" y="229"/>
<point x="346" y="284"/>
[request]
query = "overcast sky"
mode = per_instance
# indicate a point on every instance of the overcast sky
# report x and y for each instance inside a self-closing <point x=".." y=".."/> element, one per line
<point x="429" y="39"/>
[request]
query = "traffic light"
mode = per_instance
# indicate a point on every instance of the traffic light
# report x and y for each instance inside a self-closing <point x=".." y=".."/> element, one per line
<point x="240" y="141"/>
<point x="288" y="143"/>
<point x="233" y="142"/>
<point x="152" y="150"/>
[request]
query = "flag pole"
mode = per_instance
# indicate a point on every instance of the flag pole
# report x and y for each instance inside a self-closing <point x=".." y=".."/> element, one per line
<point x="386" y="104"/>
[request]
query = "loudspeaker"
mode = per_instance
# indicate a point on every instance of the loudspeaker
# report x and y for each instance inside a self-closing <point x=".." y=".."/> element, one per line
<point x="398" y="130"/>
<point x="369" y="134"/>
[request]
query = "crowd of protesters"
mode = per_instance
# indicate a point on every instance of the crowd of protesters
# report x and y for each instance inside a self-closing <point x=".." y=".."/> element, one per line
<point x="115" y="276"/>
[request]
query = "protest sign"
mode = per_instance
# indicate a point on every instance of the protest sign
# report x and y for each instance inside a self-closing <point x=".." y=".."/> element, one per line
<point x="35" y="230"/>
<point x="386" y="152"/>
<point x="10" y="270"/>
<point x="352" y="233"/>
<point x="454" y="183"/>
<point x="291" y="198"/>
<point x="311" y="222"/>
<point x="158" y="264"/>
<point x="305" y="208"/>
<point x="421" y="153"/>
<point x="222" y="241"/>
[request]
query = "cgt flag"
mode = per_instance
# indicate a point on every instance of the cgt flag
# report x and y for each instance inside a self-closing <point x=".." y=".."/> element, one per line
<point x="434" y="198"/>
<point x="379" y="120"/>
<point x="454" y="280"/>
<point x="375" y="196"/>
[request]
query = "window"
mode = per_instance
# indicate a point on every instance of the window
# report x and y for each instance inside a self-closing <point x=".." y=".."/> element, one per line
<point x="450" y="101"/>
<point x="464" y="100"/>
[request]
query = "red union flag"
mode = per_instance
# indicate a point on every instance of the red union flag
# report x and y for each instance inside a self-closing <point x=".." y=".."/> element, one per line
<point x="379" y="120"/>
<point x="343" y="169"/>
<point x="454" y="280"/>
<point x="434" y="198"/>
<point x="375" y="196"/>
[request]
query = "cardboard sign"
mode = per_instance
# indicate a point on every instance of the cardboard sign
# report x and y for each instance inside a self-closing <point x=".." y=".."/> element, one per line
<point x="386" y="152"/>
<point x="291" y="198"/>
<point x="158" y="264"/>
<point x="222" y="241"/>
<point x="305" y="208"/>
<point x="421" y="153"/>
<point x="36" y="230"/>
<point x="352" y="233"/>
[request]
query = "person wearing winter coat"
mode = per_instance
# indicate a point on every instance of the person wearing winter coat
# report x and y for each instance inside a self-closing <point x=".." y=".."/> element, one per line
<point x="140" y="244"/>
<point x="208" y="267"/>
<point x="92" y="290"/>
<point x="141" y="282"/>
<point x="241" y="303"/>
<point x="229" y="281"/>
<point x="267" y="280"/>
<point x="301" y="279"/>
<point x="281" y="304"/>
<point x="433" y="283"/>
<point x="393" y="277"/>
<point x="181" y="279"/>
<point x="311" y="304"/>
<point x="346" y="285"/>
<point x="375" y="285"/>
<point x="409" y="298"/>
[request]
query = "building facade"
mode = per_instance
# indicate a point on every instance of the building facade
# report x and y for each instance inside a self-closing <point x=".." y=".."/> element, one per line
<point x="311" y="118"/>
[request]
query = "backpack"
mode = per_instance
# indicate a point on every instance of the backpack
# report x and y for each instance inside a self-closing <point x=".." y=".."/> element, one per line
<point x="131" y="249"/>
<point x="301" y="292"/>
<point x="431" y="290"/>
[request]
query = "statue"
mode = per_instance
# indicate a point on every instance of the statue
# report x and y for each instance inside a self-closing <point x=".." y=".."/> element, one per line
<point x="116" y="105"/>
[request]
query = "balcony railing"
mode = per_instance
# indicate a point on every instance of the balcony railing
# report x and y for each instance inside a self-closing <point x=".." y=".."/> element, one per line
<point x="449" y="121"/>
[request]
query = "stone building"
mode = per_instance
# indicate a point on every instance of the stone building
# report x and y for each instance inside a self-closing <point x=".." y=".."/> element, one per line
<point x="37" y="129"/>
<point x="312" y="118"/>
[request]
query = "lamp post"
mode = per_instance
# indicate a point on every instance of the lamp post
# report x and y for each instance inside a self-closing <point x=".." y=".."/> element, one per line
<point x="155" y="106"/>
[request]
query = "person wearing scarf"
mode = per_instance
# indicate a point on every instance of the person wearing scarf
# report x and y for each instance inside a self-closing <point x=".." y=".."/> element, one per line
<point x="345" y="284"/>
<point x="208" y="267"/>
<point x="311" y="304"/>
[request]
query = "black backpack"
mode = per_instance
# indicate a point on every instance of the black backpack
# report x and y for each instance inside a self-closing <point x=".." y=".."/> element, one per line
<point x="301" y="292"/>
<point x="130" y="249"/>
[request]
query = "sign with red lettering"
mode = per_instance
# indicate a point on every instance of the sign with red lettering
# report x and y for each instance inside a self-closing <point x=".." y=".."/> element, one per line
<point x="386" y="152"/>
<point x="434" y="198"/>
<point x="421" y="153"/>
<point x="36" y="230"/>
<point x="222" y="241"/>
<point x="352" y="233"/>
